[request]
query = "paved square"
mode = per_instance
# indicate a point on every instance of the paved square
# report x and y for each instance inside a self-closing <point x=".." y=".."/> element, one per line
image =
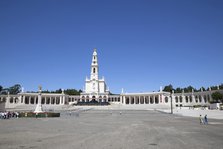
<point x="104" y="129"/>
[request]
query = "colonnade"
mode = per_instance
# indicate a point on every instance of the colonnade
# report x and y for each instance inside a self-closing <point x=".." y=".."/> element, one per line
<point x="110" y="98"/>
<point x="142" y="99"/>
<point x="151" y="98"/>
<point x="191" y="99"/>
<point x="52" y="100"/>
<point x="32" y="98"/>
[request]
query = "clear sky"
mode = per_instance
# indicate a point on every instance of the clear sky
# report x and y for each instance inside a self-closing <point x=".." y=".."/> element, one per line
<point x="141" y="44"/>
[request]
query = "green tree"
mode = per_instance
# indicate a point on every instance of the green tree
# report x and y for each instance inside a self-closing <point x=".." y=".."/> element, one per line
<point x="178" y="90"/>
<point x="202" y="88"/>
<point x="217" y="97"/>
<point x="15" y="89"/>
<point x="168" y="88"/>
<point x="46" y="91"/>
<point x="72" y="92"/>
<point x="1" y="88"/>
<point x="214" y="87"/>
<point x="58" y="91"/>
<point x="189" y="89"/>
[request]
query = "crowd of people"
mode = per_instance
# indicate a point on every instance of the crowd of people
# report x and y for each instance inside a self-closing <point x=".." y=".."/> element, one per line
<point x="7" y="115"/>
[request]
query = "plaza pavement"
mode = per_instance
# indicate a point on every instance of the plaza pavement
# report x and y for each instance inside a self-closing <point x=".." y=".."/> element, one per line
<point x="86" y="128"/>
<point x="213" y="114"/>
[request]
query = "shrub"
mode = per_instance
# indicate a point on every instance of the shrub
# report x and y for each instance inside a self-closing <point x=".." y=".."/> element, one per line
<point x="39" y="115"/>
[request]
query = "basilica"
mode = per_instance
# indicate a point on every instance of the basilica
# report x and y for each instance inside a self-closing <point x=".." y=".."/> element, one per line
<point x="96" y="90"/>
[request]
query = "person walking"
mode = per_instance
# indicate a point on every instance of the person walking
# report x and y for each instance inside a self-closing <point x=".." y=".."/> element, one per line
<point x="205" y="119"/>
<point x="201" y="120"/>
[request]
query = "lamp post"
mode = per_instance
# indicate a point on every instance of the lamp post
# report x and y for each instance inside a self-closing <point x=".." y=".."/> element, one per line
<point x="171" y="104"/>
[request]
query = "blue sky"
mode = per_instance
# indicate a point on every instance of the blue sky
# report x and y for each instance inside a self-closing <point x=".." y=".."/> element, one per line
<point x="141" y="44"/>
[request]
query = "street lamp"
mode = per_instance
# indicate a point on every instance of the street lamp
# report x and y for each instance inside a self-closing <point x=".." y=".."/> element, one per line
<point x="171" y="104"/>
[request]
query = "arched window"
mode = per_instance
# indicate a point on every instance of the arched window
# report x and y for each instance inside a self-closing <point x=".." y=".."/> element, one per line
<point x="156" y="100"/>
<point x="147" y="100"/>
<point x="166" y="99"/>
<point x="93" y="70"/>
<point x="48" y="100"/>
<point x="186" y="99"/>
<point x="57" y="100"/>
<point x="151" y="100"/>
<point x="196" y="98"/>
<point x="26" y="100"/>
<point x="190" y="98"/>
<point x="200" y="98"/>
<point x="181" y="99"/>
<point x="176" y="99"/>
<point x="87" y="98"/>
<point x="11" y="100"/>
<point x="205" y="98"/>
<point x="32" y="100"/>
<point x="104" y="98"/>
<point x="127" y="100"/>
<point x="141" y="99"/>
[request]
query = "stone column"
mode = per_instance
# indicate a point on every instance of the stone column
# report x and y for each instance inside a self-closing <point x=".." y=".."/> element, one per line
<point x="50" y="100"/>
<point x="20" y="99"/>
<point x="29" y="100"/>
<point x="34" y="99"/>
<point x="183" y="100"/>
<point x="202" y="100"/>
<point x="193" y="99"/>
<point x="7" y="102"/>
<point x="45" y="100"/>
<point x="63" y="100"/>
<point x="139" y="100"/>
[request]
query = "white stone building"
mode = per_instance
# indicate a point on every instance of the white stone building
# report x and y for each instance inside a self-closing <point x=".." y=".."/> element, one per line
<point x="96" y="90"/>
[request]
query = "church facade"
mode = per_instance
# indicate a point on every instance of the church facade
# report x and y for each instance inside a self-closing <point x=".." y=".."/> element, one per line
<point x="96" y="89"/>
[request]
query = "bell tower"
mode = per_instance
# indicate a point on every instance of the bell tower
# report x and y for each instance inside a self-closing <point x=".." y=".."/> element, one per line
<point x="95" y="88"/>
<point x="94" y="66"/>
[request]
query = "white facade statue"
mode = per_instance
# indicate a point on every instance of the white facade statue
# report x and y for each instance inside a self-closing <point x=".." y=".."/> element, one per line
<point x="39" y="107"/>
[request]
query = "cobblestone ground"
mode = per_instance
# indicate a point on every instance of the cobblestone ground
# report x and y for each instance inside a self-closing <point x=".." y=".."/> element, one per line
<point x="94" y="129"/>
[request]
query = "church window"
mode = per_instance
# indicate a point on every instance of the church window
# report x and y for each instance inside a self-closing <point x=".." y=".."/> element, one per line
<point x="94" y="70"/>
<point x="166" y="99"/>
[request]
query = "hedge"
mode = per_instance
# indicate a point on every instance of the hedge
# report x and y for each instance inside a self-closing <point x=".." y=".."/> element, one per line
<point x="39" y="115"/>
